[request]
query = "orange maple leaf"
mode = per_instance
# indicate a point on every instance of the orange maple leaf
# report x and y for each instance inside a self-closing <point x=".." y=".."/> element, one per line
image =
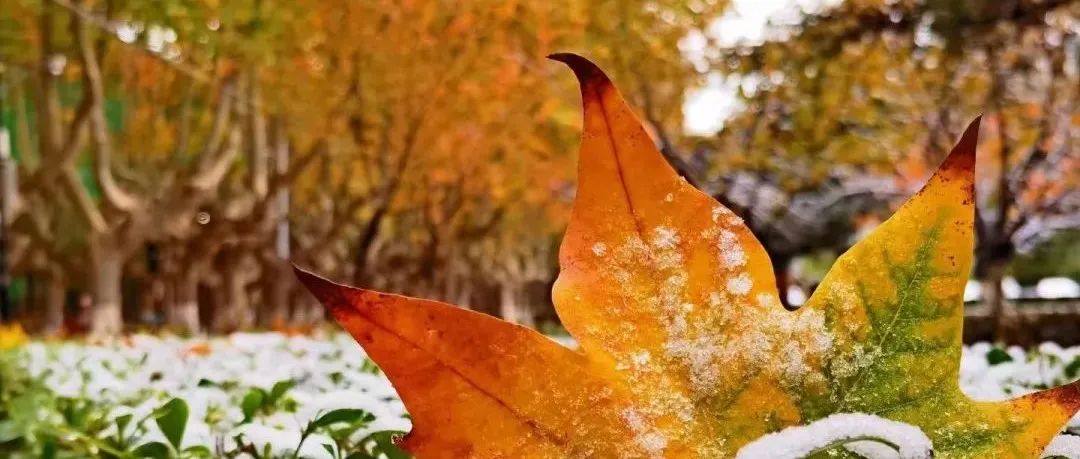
<point x="685" y="348"/>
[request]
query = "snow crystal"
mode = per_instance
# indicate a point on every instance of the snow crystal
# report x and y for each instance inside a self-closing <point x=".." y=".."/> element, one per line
<point x="653" y="442"/>
<point x="740" y="285"/>
<point x="794" y="365"/>
<point x="714" y="299"/>
<point x="729" y="217"/>
<point x="633" y="419"/>
<point x="641" y="358"/>
<point x="665" y="238"/>
<point x="731" y="252"/>
<point x="1064" y="446"/>
<point x="599" y="249"/>
<point x="649" y="439"/>
<point x="799" y="441"/>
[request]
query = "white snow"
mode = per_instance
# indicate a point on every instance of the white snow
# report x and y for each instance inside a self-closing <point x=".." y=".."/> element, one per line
<point x="740" y="285"/>
<point x="1063" y="446"/>
<point x="800" y="441"/>
<point x="665" y="238"/>
<point x="1053" y="288"/>
<point x="795" y="296"/>
<point x="972" y="290"/>
<point x="138" y="374"/>
<point x="731" y="251"/>
<point x="1011" y="288"/>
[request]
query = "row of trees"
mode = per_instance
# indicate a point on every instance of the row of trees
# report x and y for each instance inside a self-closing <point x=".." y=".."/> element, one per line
<point x="173" y="161"/>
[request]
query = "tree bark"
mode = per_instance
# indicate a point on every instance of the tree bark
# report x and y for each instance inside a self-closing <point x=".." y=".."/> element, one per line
<point x="511" y="307"/>
<point x="107" y="315"/>
<point x="277" y="280"/>
<point x="364" y="243"/>
<point x="183" y="314"/>
<point x="55" y="296"/>
<point x="236" y="313"/>
<point x="1006" y="326"/>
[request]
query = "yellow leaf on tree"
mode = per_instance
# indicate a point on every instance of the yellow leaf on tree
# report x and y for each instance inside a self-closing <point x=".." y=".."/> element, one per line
<point x="686" y="351"/>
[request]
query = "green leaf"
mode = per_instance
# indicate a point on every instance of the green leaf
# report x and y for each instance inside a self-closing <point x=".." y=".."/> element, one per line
<point x="383" y="442"/>
<point x="998" y="355"/>
<point x="251" y="403"/>
<point x="345" y="415"/>
<point x="121" y="424"/>
<point x="155" y="449"/>
<point x="279" y="389"/>
<point x="172" y="418"/>
<point x="48" y="447"/>
<point x="9" y="431"/>
<point x="198" y="451"/>
<point x="1072" y="370"/>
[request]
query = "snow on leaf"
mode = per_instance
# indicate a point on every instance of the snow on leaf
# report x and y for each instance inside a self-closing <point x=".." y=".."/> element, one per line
<point x="685" y="349"/>
<point x="862" y="433"/>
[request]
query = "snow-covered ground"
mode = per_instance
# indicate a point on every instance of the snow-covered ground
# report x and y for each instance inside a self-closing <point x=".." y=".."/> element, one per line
<point x="320" y="374"/>
<point x="215" y="377"/>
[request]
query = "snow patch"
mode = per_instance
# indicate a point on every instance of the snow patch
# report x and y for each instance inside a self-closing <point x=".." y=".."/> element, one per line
<point x="800" y="441"/>
<point x="665" y="238"/>
<point x="740" y="285"/>
<point x="649" y="439"/>
<point x="1063" y="446"/>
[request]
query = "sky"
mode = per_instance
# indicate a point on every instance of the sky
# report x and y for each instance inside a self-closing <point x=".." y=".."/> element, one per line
<point x="746" y="21"/>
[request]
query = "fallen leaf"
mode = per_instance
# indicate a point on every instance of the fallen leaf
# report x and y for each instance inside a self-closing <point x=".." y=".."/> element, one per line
<point x="686" y="350"/>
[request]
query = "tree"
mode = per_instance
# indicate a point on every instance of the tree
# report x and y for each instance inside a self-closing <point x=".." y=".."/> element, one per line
<point x="416" y="146"/>
<point x="832" y="88"/>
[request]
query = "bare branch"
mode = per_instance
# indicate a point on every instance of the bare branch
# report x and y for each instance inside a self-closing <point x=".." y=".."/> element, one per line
<point x="82" y="201"/>
<point x="208" y="177"/>
<point x="94" y="91"/>
<point x="220" y="123"/>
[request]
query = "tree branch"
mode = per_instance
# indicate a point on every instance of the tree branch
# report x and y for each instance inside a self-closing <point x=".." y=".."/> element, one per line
<point x="82" y="201"/>
<point x="94" y="91"/>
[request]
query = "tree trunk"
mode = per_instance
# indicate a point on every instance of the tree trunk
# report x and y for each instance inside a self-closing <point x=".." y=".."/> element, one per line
<point x="236" y="313"/>
<point x="55" y="297"/>
<point x="511" y="307"/>
<point x="277" y="281"/>
<point x="364" y="244"/>
<point x="183" y="314"/>
<point x="107" y="315"/>
<point x="1006" y="326"/>
<point x="306" y="311"/>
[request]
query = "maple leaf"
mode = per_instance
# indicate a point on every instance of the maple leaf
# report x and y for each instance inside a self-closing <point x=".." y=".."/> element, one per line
<point x="685" y="349"/>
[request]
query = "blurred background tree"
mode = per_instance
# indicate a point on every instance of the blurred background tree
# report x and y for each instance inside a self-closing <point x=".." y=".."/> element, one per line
<point x="886" y="87"/>
<point x="171" y="159"/>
